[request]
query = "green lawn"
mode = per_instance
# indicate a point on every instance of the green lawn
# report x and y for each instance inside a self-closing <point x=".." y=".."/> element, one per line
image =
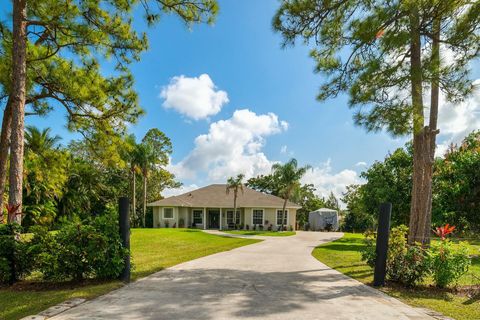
<point x="262" y="233"/>
<point x="152" y="250"/>
<point x="344" y="256"/>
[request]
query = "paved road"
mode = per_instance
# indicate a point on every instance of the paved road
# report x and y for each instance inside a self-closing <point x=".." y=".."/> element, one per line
<point x="274" y="279"/>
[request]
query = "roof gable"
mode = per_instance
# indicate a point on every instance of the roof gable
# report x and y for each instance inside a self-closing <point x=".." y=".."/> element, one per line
<point x="215" y="196"/>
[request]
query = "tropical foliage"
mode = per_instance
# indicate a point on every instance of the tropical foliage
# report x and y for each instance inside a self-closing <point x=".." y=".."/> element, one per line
<point x="284" y="181"/>
<point x="411" y="264"/>
<point x="456" y="193"/>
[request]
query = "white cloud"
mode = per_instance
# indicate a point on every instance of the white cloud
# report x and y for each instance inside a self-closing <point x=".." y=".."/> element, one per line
<point x="325" y="180"/>
<point x="231" y="147"/>
<point x="284" y="149"/>
<point x="455" y="121"/>
<point x="196" y="97"/>
<point x="361" y="164"/>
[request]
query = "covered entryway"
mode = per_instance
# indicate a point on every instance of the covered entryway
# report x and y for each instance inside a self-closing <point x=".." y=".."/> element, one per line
<point x="213" y="219"/>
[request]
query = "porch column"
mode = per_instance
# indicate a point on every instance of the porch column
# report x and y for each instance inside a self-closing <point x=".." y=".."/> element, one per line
<point x="220" y="218"/>
<point x="204" y="218"/>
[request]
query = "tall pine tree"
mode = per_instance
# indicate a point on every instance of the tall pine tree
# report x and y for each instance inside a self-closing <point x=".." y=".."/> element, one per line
<point x="386" y="54"/>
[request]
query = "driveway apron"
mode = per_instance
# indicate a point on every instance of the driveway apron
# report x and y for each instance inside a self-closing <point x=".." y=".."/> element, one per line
<point x="275" y="279"/>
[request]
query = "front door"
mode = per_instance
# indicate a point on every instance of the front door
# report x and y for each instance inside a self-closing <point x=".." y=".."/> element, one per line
<point x="213" y="219"/>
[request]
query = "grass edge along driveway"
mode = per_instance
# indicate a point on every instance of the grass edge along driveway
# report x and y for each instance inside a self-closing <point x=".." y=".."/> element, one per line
<point x="263" y="233"/>
<point x="344" y="256"/>
<point x="152" y="250"/>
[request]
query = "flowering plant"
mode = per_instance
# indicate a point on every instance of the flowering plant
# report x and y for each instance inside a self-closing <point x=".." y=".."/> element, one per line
<point x="443" y="231"/>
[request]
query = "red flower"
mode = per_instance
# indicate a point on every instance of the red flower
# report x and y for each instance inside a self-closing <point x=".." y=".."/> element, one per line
<point x="12" y="211"/>
<point x="442" y="232"/>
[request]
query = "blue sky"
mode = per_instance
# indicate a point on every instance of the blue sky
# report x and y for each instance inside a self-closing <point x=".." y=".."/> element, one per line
<point x="243" y="59"/>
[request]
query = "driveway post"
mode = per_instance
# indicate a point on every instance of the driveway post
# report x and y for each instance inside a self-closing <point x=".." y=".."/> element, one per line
<point x="383" y="232"/>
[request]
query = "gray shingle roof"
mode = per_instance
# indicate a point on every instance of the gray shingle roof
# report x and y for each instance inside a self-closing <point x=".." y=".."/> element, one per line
<point x="215" y="196"/>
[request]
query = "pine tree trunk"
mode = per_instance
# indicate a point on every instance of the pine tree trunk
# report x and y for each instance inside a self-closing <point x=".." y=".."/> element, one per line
<point x="421" y="146"/>
<point x="4" y="149"/>
<point x="433" y="131"/>
<point x="144" y="198"/>
<point x="19" y="75"/>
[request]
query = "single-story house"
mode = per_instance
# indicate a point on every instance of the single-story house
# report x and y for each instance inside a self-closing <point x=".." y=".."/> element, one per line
<point x="211" y="207"/>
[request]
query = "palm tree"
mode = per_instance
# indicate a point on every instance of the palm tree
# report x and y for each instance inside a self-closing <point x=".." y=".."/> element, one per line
<point x="152" y="153"/>
<point x="288" y="175"/>
<point x="235" y="184"/>
<point x="132" y="154"/>
<point x="40" y="141"/>
<point x="147" y="158"/>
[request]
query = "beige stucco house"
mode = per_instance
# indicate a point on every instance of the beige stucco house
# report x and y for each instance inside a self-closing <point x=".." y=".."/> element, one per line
<point x="211" y="207"/>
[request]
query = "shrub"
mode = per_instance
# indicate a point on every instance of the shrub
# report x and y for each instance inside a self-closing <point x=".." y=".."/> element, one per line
<point x="405" y="264"/>
<point x="14" y="258"/>
<point x="91" y="249"/>
<point x="448" y="262"/>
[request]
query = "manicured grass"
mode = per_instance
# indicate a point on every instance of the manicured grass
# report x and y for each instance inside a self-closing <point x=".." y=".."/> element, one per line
<point x="152" y="250"/>
<point x="262" y="233"/>
<point x="344" y="255"/>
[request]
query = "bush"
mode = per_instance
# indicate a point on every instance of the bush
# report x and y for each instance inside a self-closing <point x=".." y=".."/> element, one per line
<point x="448" y="262"/>
<point x="77" y="251"/>
<point x="14" y="257"/>
<point x="405" y="264"/>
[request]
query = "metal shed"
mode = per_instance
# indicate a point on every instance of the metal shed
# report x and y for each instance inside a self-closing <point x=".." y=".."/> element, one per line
<point x="323" y="219"/>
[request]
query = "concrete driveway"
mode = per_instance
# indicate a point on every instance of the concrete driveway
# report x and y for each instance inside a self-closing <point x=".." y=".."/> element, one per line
<point x="274" y="279"/>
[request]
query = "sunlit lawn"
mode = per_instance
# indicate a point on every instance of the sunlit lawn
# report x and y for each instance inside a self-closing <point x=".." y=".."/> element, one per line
<point x="262" y="233"/>
<point x="152" y="250"/>
<point x="344" y="256"/>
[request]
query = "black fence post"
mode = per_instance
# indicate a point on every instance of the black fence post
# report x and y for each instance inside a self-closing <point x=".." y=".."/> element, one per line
<point x="124" y="223"/>
<point x="383" y="232"/>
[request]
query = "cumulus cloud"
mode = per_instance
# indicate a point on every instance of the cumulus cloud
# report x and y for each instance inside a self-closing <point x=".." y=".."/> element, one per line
<point x="361" y="164"/>
<point x="230" y="147"/>
<point x="325" y="180"/>
<point x="455" y="121"/>
<point x="196" y="98"/>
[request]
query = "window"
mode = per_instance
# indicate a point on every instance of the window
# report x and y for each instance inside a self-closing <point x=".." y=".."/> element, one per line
<point x="230" y="217"/>
<point x="257" y="216"/>
<point x="167" y="213"/>
<point x="279" y="218"/>
<point x="198" y="216"/>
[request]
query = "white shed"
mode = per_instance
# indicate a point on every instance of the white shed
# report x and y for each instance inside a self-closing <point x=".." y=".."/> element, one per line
<point x="323" y="219"/>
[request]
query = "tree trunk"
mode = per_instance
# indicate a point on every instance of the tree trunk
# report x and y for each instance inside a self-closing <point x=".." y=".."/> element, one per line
<point x="4" y="149"/>
<point x="144" y="198"/>
<point x="433" y="131"/>
<point x="421" y="145"/>
<point x="283" y="212"/>
<point x="19" y="75"/>
<point x="234" y="209"/>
